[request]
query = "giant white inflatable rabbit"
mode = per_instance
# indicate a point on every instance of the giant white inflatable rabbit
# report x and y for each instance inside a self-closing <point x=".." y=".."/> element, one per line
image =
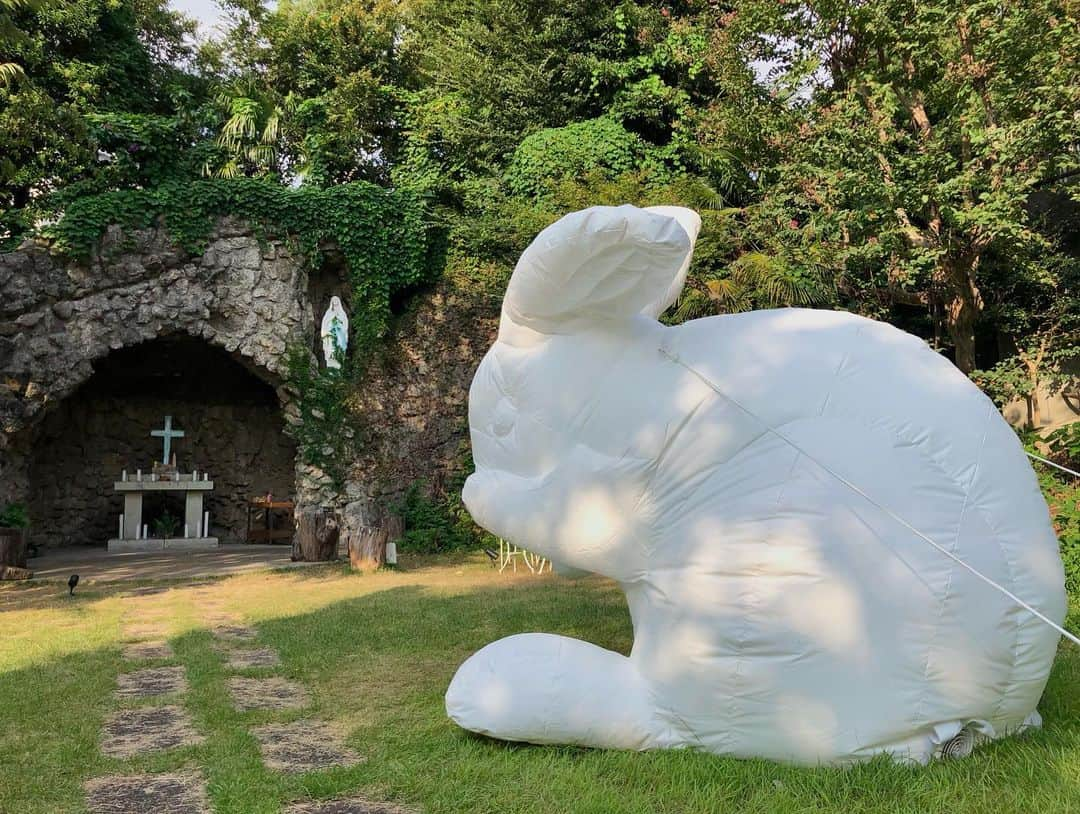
<point x="768" y="488"/>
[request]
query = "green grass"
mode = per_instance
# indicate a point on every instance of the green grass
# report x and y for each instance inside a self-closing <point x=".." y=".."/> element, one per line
<point x="377" y="652"/>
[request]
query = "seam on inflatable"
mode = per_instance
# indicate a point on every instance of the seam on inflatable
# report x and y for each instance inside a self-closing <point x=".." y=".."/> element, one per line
<point x="791" y="474"/>
<point x="836" y="373"/>
<point x="948" y="581"/>
<point x="657" y="462"/>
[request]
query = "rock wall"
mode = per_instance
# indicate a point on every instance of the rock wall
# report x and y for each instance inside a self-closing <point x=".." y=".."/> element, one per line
<point x="246" y="296"/>
<point x="412" y="406"/>
<point x="60" y="321"/>
<point x="233" y="429"/>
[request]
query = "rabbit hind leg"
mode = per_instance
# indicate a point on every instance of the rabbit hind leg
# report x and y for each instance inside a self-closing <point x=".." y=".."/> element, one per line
<point x="541" y="688"/>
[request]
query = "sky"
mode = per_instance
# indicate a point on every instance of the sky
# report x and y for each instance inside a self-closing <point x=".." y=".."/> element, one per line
<point x="205" y="11"/>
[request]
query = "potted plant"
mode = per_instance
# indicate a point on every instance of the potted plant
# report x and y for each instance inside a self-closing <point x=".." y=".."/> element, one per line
<point x="166" y="526"/>
<point x="14" y="520"/>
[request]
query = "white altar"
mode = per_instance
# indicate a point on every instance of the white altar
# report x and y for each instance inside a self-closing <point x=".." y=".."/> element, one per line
<point x="133" y="534"/>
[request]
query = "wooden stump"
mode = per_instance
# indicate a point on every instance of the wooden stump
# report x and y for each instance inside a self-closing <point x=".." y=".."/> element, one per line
<point x="367" y="548"/>
<point x="13" y="547"/>
<point x="395" y="527"/>
<point x="317" y="532"/>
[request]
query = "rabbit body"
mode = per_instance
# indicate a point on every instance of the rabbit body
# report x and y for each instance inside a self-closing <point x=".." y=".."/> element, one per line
<point x="764" y="487"/>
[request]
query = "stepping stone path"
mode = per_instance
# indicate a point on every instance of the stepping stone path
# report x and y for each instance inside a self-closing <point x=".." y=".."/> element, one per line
<point x="255" y="657"/>
<point x="300" y="746"/>
<point x="148" y="651"/>
<point x="130" y="732"/>
<point x="355" y="805"/>
<point x="151" y="682"/>
<point x="303" y="746"/>
<point x="267" y="693"/>
<point x="156" y="793"/>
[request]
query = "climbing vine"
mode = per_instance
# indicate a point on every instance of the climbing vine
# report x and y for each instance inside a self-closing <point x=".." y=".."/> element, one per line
<point x="380" y="233"/>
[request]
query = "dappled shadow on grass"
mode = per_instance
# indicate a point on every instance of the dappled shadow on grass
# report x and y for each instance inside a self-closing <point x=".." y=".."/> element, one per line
<point x="382" y="663"/>
<point x="378" y="664"/>
<point x="408" y="563"/>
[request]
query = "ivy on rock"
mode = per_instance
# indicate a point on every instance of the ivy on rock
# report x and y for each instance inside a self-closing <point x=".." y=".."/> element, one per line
<point x="380" y="233"/>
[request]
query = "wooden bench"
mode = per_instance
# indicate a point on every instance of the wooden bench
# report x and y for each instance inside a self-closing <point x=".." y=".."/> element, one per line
<point x="270" y="530"/>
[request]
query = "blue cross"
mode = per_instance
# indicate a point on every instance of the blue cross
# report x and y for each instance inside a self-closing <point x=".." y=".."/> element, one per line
<point x="168" y="434"/>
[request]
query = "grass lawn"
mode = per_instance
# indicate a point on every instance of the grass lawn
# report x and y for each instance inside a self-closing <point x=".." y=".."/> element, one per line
<point x="377" y="652"/>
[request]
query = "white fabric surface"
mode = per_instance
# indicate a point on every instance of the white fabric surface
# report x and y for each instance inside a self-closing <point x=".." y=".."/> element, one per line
<point x="777" y="612"/>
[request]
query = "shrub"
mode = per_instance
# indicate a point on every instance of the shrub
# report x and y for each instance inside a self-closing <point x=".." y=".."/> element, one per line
<point x="430" y="524"/>
<point x="14" y="516"/>
<point x="1064" y="444"/>
<point x="557" y="153"/>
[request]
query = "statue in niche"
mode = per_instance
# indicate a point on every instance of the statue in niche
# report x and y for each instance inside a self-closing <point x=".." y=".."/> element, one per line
<point x="335" y="333"/>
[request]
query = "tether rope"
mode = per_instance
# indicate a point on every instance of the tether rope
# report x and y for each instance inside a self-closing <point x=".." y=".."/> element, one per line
<point x="1051" y="463"/>
<point x="788" y="440"/>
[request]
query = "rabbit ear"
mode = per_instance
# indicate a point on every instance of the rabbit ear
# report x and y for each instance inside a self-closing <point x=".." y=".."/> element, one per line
<point x="690" y="221"/>
<point x="600" y="264"/>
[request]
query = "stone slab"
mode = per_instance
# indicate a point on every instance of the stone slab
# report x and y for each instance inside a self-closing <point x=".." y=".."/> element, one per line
<point x="151" y="682"/>
<point x="255" y="657"/>
<point x="303" y="746"/>
<point x="146" y="794"/>
<point x="118" y="546"/>
<point x="267" y="693"/>
<point x="144" y="631"/>
<point x="97" y="565"/>
<point x="148" y="651"/>
<point x="130" y="732"/>
<point x="241" y="633"/>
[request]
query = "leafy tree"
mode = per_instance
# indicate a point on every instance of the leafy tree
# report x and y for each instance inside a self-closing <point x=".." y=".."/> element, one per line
<point x="78" y="59"/>
<point x="490" y="72"/>
<point x="313" y="89"/>
<point x="1038" y="314"/>
<point x="909" y="138"/>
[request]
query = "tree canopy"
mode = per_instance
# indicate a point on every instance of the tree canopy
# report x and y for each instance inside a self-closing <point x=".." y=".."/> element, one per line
<point x="914" y="161"/>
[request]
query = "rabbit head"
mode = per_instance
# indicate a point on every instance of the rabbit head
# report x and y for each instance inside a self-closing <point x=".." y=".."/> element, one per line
<point x="584" y="292"/>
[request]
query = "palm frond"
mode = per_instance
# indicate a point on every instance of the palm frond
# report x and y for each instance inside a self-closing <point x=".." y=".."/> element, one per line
<point x="9" y="72"/>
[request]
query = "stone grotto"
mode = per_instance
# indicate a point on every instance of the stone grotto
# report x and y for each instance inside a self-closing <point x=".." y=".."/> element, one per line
<point x="94" y="354"/>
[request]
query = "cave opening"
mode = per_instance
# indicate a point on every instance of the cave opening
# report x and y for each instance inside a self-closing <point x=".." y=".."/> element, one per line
<point x="233" y="429"/>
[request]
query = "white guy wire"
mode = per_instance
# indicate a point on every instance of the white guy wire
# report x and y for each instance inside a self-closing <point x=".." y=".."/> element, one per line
<point x="1051" y="463"/>
<point x="873" y="502"/>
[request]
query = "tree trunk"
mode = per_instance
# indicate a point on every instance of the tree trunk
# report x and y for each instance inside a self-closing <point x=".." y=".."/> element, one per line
<point x="367" y="548"/>
<point x="316" y="537"/>
<point x="395" y="527"/>
<point x="962" y="311"/>
<point x="13" y="547"/>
